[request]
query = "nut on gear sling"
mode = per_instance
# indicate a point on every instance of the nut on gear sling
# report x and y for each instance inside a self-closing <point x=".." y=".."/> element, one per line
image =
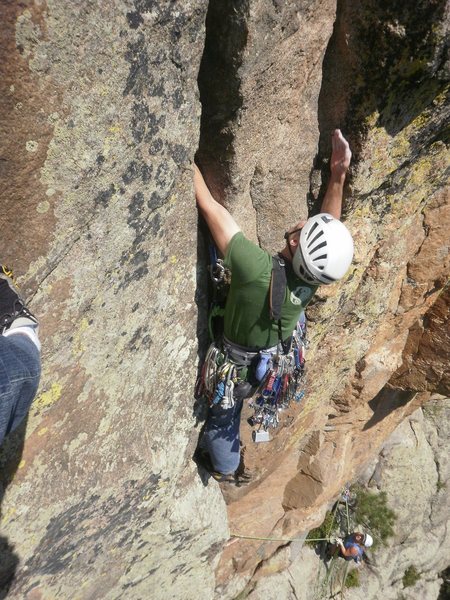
<point x="278" y="282"/>
<point x="220" y="281"/>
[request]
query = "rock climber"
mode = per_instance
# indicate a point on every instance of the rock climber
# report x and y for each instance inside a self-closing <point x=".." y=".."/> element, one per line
<point x="352" y="547"/>
<point x="317" y="251"/>
<point x="20" y="362"/>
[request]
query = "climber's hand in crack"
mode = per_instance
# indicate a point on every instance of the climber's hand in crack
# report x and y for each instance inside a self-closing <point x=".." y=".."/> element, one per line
<point x="340" y="161"/>
<point x="341" y="154"/>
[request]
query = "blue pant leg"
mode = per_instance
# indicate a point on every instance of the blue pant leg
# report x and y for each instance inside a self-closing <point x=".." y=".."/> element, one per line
<point x="221" y="434"/>
<point x="20" y="370"/>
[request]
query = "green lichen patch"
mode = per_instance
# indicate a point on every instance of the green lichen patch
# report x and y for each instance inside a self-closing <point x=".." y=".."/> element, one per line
<point x="373" y="513"/>
<point x="352" y="580"/>
<point x="410" y="577"/>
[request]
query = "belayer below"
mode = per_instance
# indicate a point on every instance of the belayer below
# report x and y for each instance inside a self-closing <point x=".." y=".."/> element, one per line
<point x="261" y="331"/>
<point x="351" y="547"/>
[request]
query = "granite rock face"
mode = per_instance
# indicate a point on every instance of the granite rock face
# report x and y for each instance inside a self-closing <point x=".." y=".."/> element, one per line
<point x="103" y="117"/>
<point x="100" y="225"/>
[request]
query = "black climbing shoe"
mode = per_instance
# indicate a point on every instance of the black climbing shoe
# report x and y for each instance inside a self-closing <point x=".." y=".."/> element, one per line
<point x="233" y="478"/>
<point x="222" y="477"/>
<point x="243" y="478"/>
<point x="201" y="457"/>
<point x="12" y="306"/>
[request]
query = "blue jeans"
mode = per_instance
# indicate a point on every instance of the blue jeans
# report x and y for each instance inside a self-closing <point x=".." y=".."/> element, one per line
<point x="221" y="434"/>
<point x="20" y="370"/>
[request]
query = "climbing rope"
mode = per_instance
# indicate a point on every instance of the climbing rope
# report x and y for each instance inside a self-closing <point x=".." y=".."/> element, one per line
<point x="348" y="516"/>
<point x="322" y="590"/>
<point x="269" y="539"/>
<point x="344" y="578"/>
<point x="324" y="539"/>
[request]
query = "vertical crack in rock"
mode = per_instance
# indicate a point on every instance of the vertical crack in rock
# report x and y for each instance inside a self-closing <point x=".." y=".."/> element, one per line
<point x="219" y="85"/>
<point x="220" y="96"/>
<point x="255" y="182"/>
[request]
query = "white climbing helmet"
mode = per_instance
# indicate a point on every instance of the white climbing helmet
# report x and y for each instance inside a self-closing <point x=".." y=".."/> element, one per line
<point x="325" y="251"/>
<point x="368" y="540"/>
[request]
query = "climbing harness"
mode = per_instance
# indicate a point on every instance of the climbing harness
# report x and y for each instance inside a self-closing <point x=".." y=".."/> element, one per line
<point x="279" y="373"/>
<point x="225" y="366"/>
<point x="278" y="376"/>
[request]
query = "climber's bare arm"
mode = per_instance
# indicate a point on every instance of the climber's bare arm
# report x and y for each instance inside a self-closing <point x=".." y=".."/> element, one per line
<point x="339" y="164"/>
<point x="221" y="224"/>
<point x="348" y="552"/>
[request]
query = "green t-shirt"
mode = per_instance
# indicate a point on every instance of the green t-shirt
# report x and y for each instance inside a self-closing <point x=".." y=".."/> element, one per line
<point x="247" y="320"/>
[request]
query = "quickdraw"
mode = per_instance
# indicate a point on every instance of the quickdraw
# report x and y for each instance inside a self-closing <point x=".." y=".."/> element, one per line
<point x="218" y="378"/>
<point x="220" y="279"/>
<point x="280" y="385"/>
<point x="219" y="273"/>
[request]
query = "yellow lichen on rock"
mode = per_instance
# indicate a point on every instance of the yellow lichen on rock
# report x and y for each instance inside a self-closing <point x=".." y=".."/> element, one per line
<point x="49" y="397"/>
<point x="77" y="344"/>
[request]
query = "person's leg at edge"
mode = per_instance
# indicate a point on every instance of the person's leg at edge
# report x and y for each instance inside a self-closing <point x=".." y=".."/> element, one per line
<point x="20" y="362"/>
<point x="20" y="369"/>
